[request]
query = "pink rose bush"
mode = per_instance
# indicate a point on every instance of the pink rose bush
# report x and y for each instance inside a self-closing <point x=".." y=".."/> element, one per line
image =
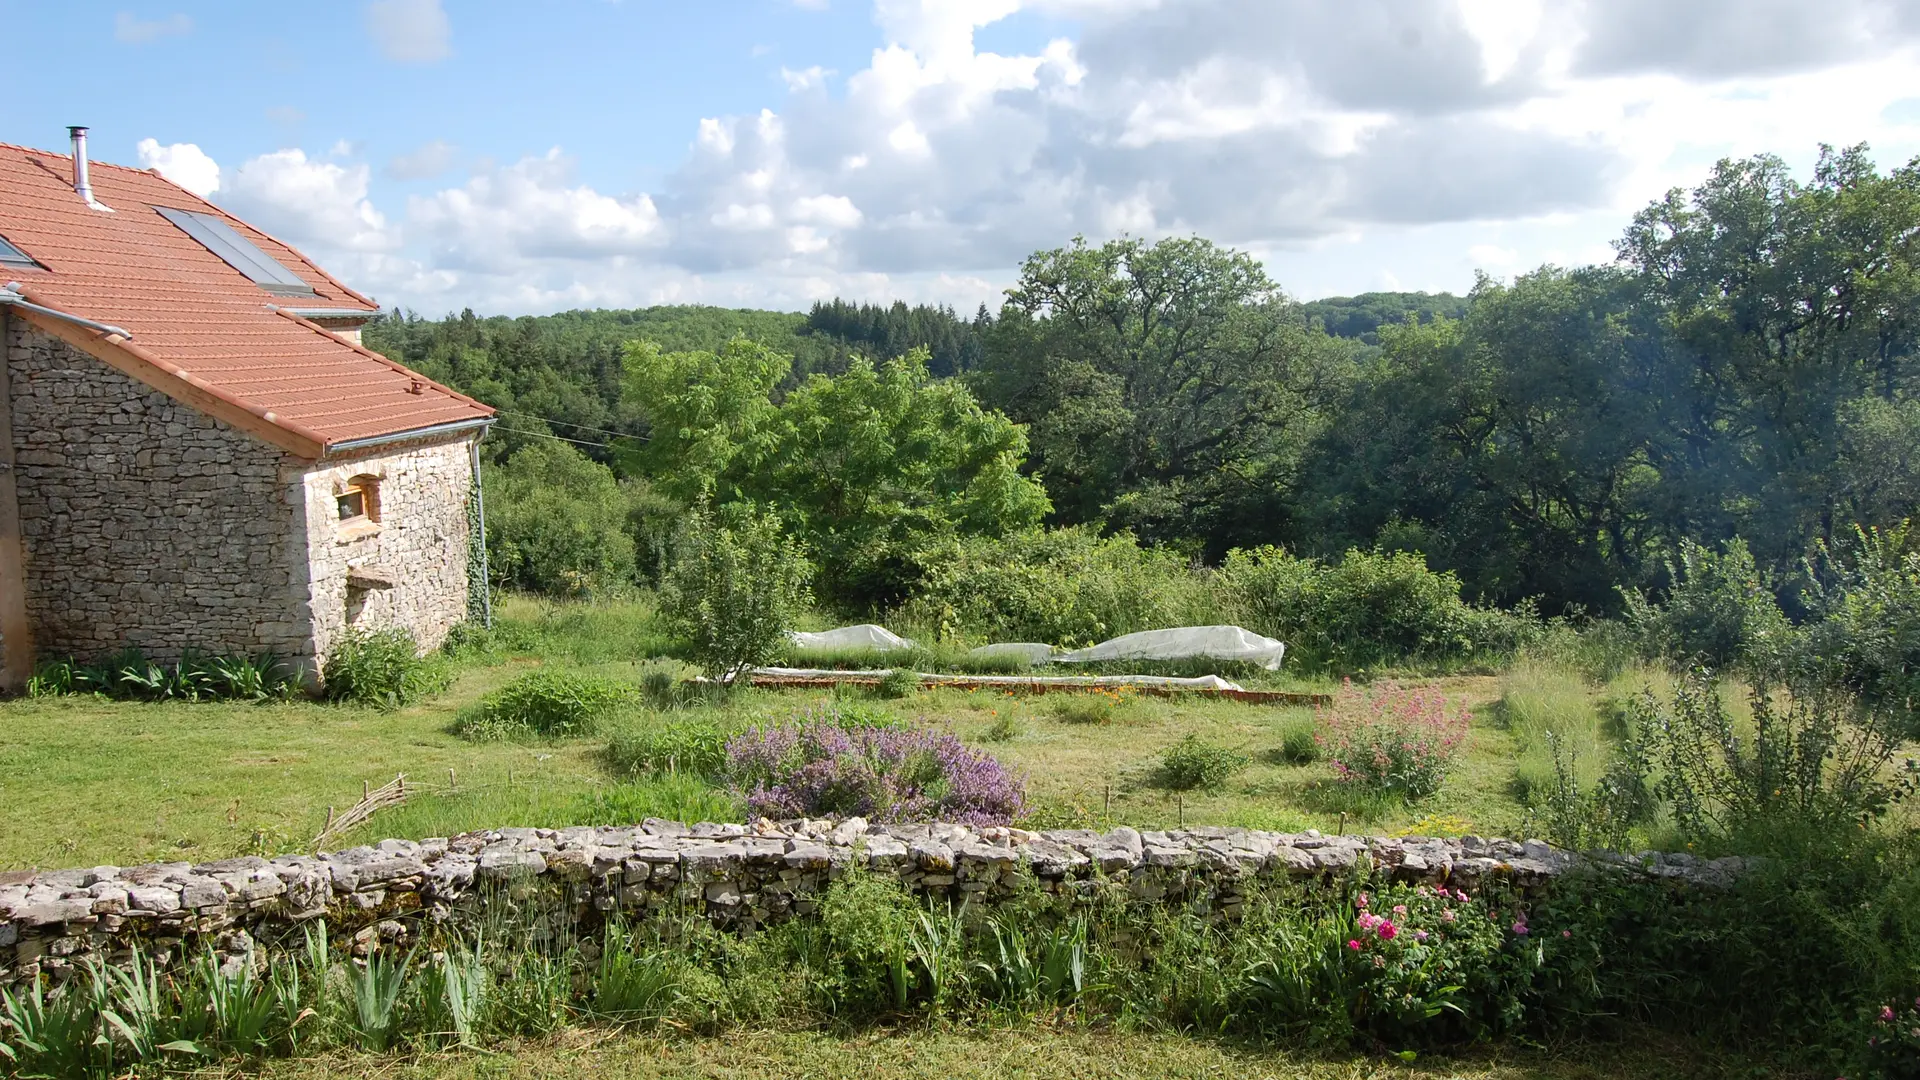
<point x="1422" y="954"/>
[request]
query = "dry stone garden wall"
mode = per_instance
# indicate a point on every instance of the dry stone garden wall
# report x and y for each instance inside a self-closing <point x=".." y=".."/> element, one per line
<point x="736" y="875"/>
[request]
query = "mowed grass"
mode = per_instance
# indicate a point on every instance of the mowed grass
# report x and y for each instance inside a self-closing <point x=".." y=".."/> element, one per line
<point x="85" y="781"/>
<point x="1031" y="1052"/>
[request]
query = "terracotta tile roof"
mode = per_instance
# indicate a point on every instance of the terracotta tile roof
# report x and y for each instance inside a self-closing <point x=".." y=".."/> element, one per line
<point x="198" y="318"/>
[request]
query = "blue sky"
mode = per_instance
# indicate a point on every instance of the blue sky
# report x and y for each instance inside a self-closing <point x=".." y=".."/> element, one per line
<point x="578" y="153"/>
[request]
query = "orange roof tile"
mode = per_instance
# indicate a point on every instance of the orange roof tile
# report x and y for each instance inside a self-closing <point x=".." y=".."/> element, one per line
<point x="199" y="321"/>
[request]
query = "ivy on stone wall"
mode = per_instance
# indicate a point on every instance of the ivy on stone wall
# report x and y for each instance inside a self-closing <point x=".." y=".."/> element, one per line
<point x="477" y="584"/>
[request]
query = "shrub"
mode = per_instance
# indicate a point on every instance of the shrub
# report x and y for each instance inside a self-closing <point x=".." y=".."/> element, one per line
<point x="695" y="746"/>
<point x="812" y="768"/>
<point x="1807" y="771"/>
<point x="734" y="588"/>
<point x="1062" y="586"/>
<point x="1368" y="609"/>
<point x="548" y="704"/>
<point x="1719" y="609"/>
<point x="1866" y="640"/>
<point x="1003" y="729"/>
<point x="557" y="523"/>
<point x="382" y="668"/>
<point x="1195" y="763"/>
<point x="1391" y="739"/>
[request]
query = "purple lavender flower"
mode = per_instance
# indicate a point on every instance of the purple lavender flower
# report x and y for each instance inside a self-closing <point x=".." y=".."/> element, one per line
<point x="816" y="765"/>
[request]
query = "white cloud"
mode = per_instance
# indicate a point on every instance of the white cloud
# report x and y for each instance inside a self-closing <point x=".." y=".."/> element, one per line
<point x="531" y="210"/>
<point x="813" y="78"/>
<point x="425" y="162"/>
<point x="130" y="29"/>
<point x="321" y="205"/>
<point x="1346" y="145"/>
<point x="410" y="31"/>
<point x="183" y="163"/>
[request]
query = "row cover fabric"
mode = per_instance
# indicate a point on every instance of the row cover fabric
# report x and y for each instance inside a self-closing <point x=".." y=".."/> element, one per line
<point x="863" y="636"/>
<point x="1203" y="682"/>
<point x="1181" y="642"/>
<point x="1032" y="652"/>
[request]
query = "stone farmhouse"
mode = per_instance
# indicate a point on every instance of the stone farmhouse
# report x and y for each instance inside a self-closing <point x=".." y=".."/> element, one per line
<point x="196" y="452"/>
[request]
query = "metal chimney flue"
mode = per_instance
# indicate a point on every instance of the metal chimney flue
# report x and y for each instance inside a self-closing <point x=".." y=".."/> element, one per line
<point x="81" y="186"/>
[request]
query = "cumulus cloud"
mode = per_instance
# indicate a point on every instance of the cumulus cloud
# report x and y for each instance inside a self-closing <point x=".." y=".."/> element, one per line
<point x="531" y="210"/>
<point x="131" y="29"/>
<point x="318" y="204"/>
<point x="1316" y="135"/>
<point x="183" y="163"/>
<point x="410" y="31"/>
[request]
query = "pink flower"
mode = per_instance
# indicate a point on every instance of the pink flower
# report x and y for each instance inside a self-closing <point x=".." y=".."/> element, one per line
<point x="1566" y="933"/>
<point x="1886" y="1013"/>
<point x="1520" y="929"/>
<point x="1387" y="930"/>
<point x="1399" y="909"/>
<point x="1420" y="935"/>
<point x="1448" y="915"/>
<point x="1353" y="944"/>
<point x="1362" y="900"/>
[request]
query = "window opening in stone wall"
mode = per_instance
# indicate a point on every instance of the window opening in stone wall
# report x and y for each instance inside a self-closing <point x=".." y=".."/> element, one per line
<point x="359" y="501"/>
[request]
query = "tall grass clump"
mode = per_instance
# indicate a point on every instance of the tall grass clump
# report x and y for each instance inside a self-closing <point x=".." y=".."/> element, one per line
<point x="1550" y="713"/>
<point x="1392" y="740"/>
<point x="545" y="704"/>
<point x="694" y="745"/>
<point x="1195" y="763"/>
<point x="381" y="668"/>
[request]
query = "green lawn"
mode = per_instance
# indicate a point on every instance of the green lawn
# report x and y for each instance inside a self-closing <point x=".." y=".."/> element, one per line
<point x="1032" y="1052"/>
<point x="85" y="781"/>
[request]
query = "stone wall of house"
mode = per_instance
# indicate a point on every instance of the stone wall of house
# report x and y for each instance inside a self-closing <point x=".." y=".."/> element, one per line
<point x="418" y="543"/>
<point x="736" y="875"/>
<point x="147" y="522"/>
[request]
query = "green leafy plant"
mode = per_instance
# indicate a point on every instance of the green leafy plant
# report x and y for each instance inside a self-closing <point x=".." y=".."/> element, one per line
<point x="545" y="704"/>
<point x="736" y="584"/>
<point x="631" y="984"/>
<point x="898" y="683"/>
<point x="1003" y="729"/>
<point x="1195" y="763"/>
<point x="376" y="991"/>
<point x="381" y="668"/>
<point x="1299" y="744"/>
<point x="1719" y="610"/>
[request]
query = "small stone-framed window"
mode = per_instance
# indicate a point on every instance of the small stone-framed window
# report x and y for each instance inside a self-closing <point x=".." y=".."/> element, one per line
<point x="358" y="501"/>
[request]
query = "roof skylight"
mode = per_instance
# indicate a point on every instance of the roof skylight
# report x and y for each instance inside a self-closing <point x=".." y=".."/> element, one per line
<point x="13" y="256"/>
<point x="238" y="252"/>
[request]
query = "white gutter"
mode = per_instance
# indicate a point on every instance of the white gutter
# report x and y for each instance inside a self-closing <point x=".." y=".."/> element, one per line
<point x="453" y="428"/>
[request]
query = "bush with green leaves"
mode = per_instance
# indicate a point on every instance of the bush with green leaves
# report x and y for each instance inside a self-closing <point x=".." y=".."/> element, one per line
<point x="1194" y="763"/>
<point x="1061" y="586"/>
<point x="557" y="523"/>
<point x="1371" y="608"/>
<point x="1864" y="635"/>
<point x="1719" y="610"/>
<point x="382" y="668"/>
<point x="736" y="585"/>
<point x="545" y="704"/>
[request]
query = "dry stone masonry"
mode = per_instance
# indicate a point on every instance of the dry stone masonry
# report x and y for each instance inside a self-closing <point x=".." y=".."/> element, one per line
<point x="737" y="875"/>
<point x="153" y="525"/>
